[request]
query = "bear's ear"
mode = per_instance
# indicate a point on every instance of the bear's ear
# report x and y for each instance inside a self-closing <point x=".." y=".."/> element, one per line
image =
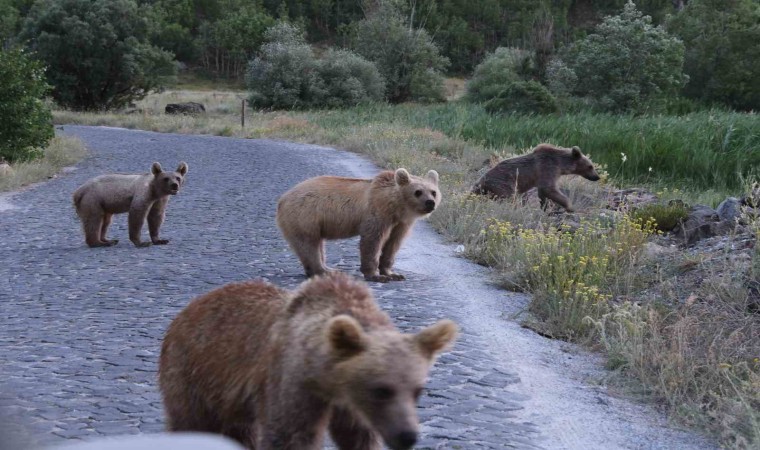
<point x="155" y="169"/>
<point x="576" y="152"/>
<point x="432" y="175"/>
<point x="345" y="336"/>
<point x="436" y="338"/>
<point x="402" y="177"/>
<point x="182" y="168"/>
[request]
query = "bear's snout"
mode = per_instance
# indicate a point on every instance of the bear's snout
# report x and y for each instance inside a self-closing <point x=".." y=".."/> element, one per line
<point x="429" y="205"/>
<point x="174" y="187"/>
<point x="592" y="177"/>
<point x="404" y="440"/>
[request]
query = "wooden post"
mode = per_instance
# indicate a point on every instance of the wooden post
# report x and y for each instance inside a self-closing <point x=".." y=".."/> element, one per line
<point x="242" y="114"/>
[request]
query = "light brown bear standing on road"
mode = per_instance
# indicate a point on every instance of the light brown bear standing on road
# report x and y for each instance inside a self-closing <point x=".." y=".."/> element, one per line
<point x="274" y="369"/>
<point x="141" y="196"/>
<point x="381" y="210"/>
<point x="540" y="169"/>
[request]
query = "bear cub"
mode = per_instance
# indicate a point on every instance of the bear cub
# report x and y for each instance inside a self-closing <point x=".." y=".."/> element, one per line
<point x="97" y="200"/>
<point x="539" y="169"/>
<point x="275" y="369"/>
<point x="381" y="210"/>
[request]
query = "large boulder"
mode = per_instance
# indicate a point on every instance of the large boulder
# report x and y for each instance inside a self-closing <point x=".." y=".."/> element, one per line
<point x="189" y="108"/>
<point x="729" y="209"/>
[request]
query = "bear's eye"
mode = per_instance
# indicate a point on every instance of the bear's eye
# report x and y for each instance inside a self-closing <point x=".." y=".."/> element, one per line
<point x="432" y="193"/>
<point x="417" y="193"/>
<point x="382" y="393"/>
<point x="417" y="393"/>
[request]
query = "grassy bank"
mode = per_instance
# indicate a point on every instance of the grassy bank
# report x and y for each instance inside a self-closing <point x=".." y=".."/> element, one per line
<point x="61" y="152"/>
<point x="693" y="345"/>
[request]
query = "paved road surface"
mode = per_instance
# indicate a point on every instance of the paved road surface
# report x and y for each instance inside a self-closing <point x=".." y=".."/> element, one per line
<point x="80" y="328"/>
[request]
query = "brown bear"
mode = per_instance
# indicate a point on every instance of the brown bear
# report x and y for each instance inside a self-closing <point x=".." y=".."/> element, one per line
<point x="381" y="210"/>
<point x="540" y="169"/>
<point x="274" y="369"/>
<point x="97" y="200"/>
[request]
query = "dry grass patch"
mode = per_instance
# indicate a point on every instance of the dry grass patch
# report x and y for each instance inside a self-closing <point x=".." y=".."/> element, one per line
<point x="63" y="151"/>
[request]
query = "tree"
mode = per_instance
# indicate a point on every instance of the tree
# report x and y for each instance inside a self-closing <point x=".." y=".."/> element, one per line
<point x="26" y="124"/>
<point x="407" y="58"/>
<point x="627" y="63"/>
<point x="97" y="52"/>
<point x="722" y="40"/>
<point x="497" y="71"/>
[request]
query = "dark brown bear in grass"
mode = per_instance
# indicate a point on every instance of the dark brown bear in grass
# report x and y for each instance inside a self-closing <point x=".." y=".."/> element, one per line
<point x="539" y="169"/>
<point x="382" y="210"/>
<point x="275" y="370"/>
<point x="141" y="196"/>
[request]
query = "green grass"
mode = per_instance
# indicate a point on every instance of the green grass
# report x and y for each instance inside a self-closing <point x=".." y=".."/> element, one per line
<point x="710" y="150"/>
<point x="61" y="152"/>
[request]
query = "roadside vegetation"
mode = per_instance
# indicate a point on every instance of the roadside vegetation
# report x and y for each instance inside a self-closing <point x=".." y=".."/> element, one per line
<point x="640" y="87"/>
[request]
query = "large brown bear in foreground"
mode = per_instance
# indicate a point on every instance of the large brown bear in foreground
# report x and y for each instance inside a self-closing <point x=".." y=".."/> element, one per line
<point x="381" y="210"/>
<point x="540" y="169"/>
<point x="141" y="196"/>
<point x="274" y="369"/>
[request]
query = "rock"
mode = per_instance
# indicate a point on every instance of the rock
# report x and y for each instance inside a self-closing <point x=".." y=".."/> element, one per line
<point x="190" y="108"/>
<point x="729" y="209"/>
<point x="702" y="222"/>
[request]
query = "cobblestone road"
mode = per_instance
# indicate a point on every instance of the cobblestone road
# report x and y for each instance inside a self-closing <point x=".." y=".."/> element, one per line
<point x="80" y="328"/>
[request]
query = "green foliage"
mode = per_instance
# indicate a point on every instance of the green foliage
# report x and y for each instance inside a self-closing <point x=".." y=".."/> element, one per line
<point x="523" y="97"/>
<point x="627" y="64"/>
<point x="499" y="70"/>
<point x="665" y="216"/>
<point x="9" y="18"/>
<point x="348" y="79"/>
<point x="97" y="53"/>
<point x="407" y="58"/>
<point x="26" y="124"/>
<point x="722" y="51"/>
<point x="287" y="75"/>
<point x="230" y="42"/>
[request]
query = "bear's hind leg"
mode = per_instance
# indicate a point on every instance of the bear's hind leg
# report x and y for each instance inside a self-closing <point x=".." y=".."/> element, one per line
<point x="104" y="230"/>
<point x="92" y="225"/>
<point x="311" y="253"/>
<point x="348" y="434"/>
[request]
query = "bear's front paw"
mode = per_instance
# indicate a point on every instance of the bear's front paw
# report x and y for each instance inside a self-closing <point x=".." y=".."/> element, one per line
<point x="160" y="241"/>
<point x="110" y="242"/>
<point x="377" y="278"/>
<point x="396" y="277"/>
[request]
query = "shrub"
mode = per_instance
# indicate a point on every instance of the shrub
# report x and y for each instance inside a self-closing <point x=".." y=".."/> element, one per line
<point x="97" y="53"/>
<point x="627" y="64"/>
<point x="287" y="75"/>
<point x="348" y="79"/>
<point x="722" y="51"/>
<point x="665" y="217"/>
<point x="407" y="58"/>
<point x="26" y="124"/>
<point x="497" y="71"/>
<point x="523" y="97"/>
<point x="284" y="75"/>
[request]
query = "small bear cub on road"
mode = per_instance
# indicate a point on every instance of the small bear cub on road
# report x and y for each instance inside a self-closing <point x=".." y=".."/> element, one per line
<point x="381" y="210"/>
<point x="274" y="369"/>
<point x="540" y="169"/>
<point x="141" y="196"/>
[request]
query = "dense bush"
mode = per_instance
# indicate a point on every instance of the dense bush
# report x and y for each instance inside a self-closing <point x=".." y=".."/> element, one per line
<point x="407" y="58"/>
<point x="287" y="75"/>
<point x="525" y="97"/>
<point x="627" y="63"/>
<point x="97" y="53"/>
<point x="348" y="79"/>
<point x="722" y="51"/>
<point x="9" y="17"/>
<point x="497" y="71"/>
<point x="26" y="123"/>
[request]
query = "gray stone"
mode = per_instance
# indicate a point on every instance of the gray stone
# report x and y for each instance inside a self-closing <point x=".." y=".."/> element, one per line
<point x="729" y="209"/>
<point x="189" y="108"/>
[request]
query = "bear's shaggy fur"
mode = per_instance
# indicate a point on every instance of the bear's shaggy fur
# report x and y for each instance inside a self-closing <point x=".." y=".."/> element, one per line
<point x="274" y="369"/>
<point x="97" y="200"/>
<point x="381" y="210"/>
<point x="539" y="169"/>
